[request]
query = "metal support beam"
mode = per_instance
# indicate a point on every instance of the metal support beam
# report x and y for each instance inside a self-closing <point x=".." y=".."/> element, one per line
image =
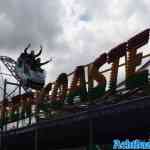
<point x="90" y="129"/>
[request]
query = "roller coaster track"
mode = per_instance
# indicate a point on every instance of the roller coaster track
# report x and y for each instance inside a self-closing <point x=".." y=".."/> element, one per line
<point x="10" y="65"/>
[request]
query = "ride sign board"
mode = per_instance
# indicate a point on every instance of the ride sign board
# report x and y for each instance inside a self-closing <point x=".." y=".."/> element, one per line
<point x="133" y="78"/>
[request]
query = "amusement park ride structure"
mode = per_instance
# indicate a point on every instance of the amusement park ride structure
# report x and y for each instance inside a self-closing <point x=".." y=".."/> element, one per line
<point x="64" y="97"/>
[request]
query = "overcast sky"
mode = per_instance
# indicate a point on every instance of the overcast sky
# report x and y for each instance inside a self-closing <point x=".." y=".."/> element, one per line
<point x="73" y="32"/>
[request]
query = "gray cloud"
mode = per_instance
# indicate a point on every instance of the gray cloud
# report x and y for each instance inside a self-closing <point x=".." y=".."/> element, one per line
<point x="27" y="21"/>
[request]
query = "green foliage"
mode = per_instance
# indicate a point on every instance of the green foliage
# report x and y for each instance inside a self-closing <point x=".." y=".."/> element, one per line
<point x="137" y="80"/>
<point x="78" y="92"/>
<point x="93" y="147"/>
<point x="96" y="92"/>
<point x="56" y="104"/>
